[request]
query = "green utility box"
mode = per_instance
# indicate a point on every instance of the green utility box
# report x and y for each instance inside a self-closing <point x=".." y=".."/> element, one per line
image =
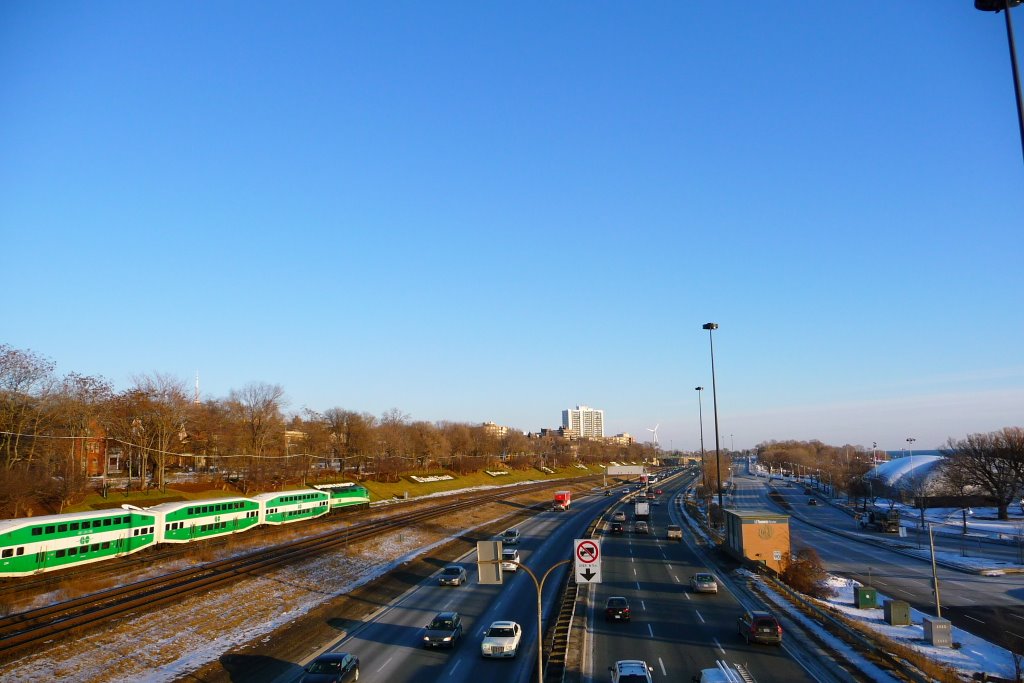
<point x="865" y="597"/>
<point x="897" y="612"/>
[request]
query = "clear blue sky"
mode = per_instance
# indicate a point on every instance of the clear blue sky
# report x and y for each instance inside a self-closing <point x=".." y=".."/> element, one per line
<point x="495" y="211"/>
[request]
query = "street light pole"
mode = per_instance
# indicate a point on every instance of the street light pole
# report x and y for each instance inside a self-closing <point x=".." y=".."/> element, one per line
<point x="1004" y="6"/>
<point x="714" y="395"/>
<point x="700" y="415"/>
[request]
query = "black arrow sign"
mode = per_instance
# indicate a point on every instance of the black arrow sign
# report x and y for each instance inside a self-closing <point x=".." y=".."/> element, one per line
<point x="588" y="575"/>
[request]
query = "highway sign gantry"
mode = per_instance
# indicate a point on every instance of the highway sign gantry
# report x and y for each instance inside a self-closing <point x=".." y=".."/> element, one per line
<point x="587" y="560"/>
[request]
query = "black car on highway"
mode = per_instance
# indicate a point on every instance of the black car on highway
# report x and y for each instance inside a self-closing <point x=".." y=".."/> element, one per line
<point x="332" y="667"/>
<point x="444" y="630"/>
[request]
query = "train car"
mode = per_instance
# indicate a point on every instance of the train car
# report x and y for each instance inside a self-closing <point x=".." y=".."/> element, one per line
<point x="292" y="506"/>
<point x="39" y="544"/>
<point x="193" y="520"/>
<point x="347" y="495"/>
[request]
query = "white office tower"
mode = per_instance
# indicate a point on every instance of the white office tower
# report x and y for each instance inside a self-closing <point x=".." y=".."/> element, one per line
<point x="584" y="421"/>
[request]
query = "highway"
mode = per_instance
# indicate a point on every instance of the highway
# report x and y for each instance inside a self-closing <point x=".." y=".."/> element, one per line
<point x="389" y="647"/>
<point x="676" y="631"/>
<point x="990" y="607"/>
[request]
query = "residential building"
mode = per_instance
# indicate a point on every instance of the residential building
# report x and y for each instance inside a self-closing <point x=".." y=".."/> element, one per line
<point x="585" y="421"/>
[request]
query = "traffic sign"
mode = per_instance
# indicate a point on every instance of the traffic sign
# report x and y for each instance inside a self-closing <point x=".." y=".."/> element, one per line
<point x="587" y="560"/>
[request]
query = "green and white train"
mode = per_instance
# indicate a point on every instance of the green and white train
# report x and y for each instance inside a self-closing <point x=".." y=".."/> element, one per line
<point x="32" y="545"/>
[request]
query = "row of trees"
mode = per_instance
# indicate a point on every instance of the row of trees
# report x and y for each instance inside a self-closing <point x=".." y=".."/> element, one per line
<point x="52" y="426"/>
<point x="990" y="465"/>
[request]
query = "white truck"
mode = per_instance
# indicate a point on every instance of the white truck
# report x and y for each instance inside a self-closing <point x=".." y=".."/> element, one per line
<point x="642" y="510"/>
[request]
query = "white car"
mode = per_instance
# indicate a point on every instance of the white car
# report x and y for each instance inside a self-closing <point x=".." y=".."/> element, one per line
<point x="501" y="639"/>
<point x="509" y="559"/>
<point x="631" y="671"/>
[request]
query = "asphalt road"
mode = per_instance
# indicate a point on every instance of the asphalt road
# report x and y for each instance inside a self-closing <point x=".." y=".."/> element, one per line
<point x="990" y="607"/>
<point x="389" y="647"/>
<point x="676" y="631"/>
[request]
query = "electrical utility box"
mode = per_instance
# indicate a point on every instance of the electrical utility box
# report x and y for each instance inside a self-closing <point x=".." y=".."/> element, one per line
<point x="865" y="597"/>
<point x="938" y="632"/>
<point x="897" y="612"/>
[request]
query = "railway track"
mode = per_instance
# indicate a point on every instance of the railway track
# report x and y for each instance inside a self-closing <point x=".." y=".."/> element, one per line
<point x="26" y="629"/>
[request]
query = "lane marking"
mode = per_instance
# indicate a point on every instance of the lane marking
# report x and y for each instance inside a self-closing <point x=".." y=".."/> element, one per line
<point x="643" y="605"/>
<point x="718" y="645"/>
<point x="452" y="672"/>
<point x="677" y="581"/>
<point x="1016" y="616"/>
<point x="663" y="672"/>
<point x="386" y="662"/>
<point x="968" y="616"/>
<point x="699" y="615"/>
<point x="650" y="630"/>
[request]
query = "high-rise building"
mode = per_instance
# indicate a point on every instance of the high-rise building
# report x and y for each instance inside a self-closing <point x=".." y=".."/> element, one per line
<point x="584" y="421"/>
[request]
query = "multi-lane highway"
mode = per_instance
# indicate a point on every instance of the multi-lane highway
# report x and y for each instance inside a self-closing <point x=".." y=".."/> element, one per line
<point x="390" y="646"/>
<point x="676" y="631"/>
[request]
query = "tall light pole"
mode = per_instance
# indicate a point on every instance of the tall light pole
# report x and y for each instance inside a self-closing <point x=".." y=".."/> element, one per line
<point x="910" y="447"/>
<point x="714" y="396"/>
<point x="1004" y="6"/>
<point x="700" y="414"/>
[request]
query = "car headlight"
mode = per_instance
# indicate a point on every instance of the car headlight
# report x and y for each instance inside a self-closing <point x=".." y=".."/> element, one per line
<point x="427" y="638"/>
<point x="447" y="638"/>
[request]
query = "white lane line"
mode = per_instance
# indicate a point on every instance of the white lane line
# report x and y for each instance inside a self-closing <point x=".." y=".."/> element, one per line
<point x="386" y="662"/>
<point x="968" y="616"/>
<point x="634" y="571"/>
<point x="643" y="605"/>
<point x="904" y="592"/>
<point x="687" y="595"/>
<point x="1016" y="616"/>
<point x="669" y="567"/>
<point x="638" y="585"/>
<point x="663" y="672"/>
<point x="1015" y="635"/>
<point x="718" y="645"/>
<point x="452" y="672"/>
<point x="650" y="630"/>
<point x="699" y="616"/>
<point x="676" y="578"/>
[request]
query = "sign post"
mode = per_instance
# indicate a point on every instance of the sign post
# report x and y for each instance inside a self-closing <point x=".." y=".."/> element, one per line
<point x="587" y="560"/>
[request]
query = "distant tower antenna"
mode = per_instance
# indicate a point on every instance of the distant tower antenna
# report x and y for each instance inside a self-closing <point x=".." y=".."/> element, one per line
<point x="196" y="398"/>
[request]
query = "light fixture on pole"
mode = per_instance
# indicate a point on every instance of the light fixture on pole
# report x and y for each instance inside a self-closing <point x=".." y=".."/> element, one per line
<point x="1004" y="6"/>
<point x="700" y="415"/>
<point x="710" y="327"/>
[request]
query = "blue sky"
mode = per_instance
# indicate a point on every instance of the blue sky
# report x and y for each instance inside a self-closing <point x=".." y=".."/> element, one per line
<point x="495" y="211"/>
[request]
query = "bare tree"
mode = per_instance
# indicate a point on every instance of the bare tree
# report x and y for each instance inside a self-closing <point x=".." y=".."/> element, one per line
<point x="993" y="462"/>
<point x="163" y="413"/>
<point x="257" y="409"/>
<point x="26" y="380"/>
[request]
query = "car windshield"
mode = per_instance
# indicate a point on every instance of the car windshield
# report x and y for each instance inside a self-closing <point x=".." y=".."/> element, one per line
<point x="704" y="578"/>
<point x="453" y="570"/>
<point x="508" y="554"/>
<point x="503" y="632"/>
<point x="324" y="667"/>
<point x="442" y="624"/>
<point x="616" y="602"/>
<point x="767" y="622"/>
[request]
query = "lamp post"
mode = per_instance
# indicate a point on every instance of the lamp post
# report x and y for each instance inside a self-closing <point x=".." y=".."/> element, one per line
<point x="1004" y="6"/>
<point x="910" y="449"/>
<point x="700" y="415"/>
<point x="714" y="397"/>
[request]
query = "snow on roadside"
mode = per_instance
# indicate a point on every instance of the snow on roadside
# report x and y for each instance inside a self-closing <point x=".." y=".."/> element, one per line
<point x="972" y="655"/>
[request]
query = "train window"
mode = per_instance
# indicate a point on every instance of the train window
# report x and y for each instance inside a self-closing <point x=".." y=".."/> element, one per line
<point x="8" y="552"/>
<point x="72" y="551"/>
<point x="74" y="526"/>
<point x="21" y="551"/>
<point x="50" y="529"/>
<point x="105" y="545"/>
<point x="37" y="531"/>
<point x="107" y="522"/>
<point x="94" y="547"/>
<point x="61" y="553"/>
<point x="191" y="511"/>
<point x="61" y="528"/>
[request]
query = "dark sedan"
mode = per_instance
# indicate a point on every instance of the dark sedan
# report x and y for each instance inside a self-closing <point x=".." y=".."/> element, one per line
<point x="333" y="667"/>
